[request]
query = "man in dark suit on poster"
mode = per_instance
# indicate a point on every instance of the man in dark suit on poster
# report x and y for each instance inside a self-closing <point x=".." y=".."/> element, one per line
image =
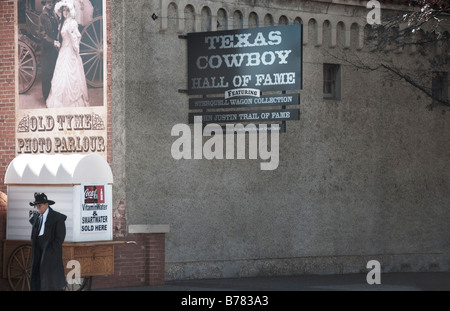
<point x="47" y="236"/>
<point x="48" y="31"/>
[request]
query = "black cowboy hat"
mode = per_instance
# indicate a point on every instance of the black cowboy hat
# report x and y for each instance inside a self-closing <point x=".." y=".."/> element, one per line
<point x="40" y="198"/>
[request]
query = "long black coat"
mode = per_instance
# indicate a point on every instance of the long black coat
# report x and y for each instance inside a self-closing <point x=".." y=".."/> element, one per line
<point x="47" y="268"/>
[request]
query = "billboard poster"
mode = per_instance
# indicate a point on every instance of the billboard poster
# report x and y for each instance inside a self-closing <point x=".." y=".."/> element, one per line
<point x="94" y="209"/>
<point x="60" y="77"/>
<point x="245" y="62"/>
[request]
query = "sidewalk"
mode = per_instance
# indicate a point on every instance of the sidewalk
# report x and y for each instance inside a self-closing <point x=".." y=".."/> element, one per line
<point x="404" y="281"/>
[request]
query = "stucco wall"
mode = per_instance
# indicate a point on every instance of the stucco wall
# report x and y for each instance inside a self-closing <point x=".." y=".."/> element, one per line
<point x="365" y="177"/>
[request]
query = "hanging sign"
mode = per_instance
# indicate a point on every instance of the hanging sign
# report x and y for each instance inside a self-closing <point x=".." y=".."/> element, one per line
<point x="245" y="62"/>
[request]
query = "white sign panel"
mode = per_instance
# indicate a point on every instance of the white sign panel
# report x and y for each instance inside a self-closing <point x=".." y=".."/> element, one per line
<point x="95" y="216"/>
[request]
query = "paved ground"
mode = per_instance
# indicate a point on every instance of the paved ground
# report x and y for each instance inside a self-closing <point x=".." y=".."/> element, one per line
<point x="429" y="281"/>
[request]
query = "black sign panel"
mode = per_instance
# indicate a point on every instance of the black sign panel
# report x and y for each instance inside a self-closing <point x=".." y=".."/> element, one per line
<point x="247" y="116"/>
<point x="239" y="102"/>
<point x="245" y="60"/>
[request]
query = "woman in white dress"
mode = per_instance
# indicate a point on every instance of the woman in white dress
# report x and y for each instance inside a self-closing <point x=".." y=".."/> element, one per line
<point x="69" y="88"/>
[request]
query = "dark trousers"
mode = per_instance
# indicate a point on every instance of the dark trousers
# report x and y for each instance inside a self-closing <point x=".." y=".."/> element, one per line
<point x="48" y="62"/>
<point x="36" y="280"/>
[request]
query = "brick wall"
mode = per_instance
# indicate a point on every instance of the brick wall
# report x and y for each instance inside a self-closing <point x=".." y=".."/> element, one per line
<point x="7" y="87"/>
<point x="108" y="78"/>
<point x="135" y="264"/>
<point x="7" y="107"/>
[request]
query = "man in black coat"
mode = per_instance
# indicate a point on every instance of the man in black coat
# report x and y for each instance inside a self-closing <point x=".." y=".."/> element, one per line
<point x="48" y="31"/>
<point x="47" y="236"/>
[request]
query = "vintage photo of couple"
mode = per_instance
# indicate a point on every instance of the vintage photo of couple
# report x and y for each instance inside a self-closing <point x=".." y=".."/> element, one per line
<point x="63" y="77"/>
<point x="60" y="53"/>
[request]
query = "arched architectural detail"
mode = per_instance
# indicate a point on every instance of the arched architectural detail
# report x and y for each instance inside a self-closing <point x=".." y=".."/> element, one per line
<point x="238" y="20"/>
<point x="172" y="12"/>
<point x="283" y="20"/>
<point x="253" y="20"/>
<point x="189" y="19"/>
<point x="318" y="28"/>
<point x="356" y="36"/>
<point x="172" y="17"/>
<point x="222" y="19"/>
<point x="206" y="20"/>
<point x="327" y="34"/>
<point x="163" y="17"/>
<point x="312" y="33"/>
<point x="268" y="20"/>
<point x="342" y="35"/>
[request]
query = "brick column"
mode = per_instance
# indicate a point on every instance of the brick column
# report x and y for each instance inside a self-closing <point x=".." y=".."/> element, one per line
<point x="7" y="110"/>
<point x="3" y="282"/>
<point x="156" y="251"/>
<point x="141" y="263"/>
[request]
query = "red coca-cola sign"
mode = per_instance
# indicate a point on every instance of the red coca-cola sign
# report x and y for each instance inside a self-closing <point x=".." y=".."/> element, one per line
<point x="94" y="194"/>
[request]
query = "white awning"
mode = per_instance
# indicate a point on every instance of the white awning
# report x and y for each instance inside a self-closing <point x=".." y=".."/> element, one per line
<point x="58" y="169"/>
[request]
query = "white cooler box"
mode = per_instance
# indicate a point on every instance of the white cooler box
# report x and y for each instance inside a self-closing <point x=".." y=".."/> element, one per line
<point x="80" y="185"/>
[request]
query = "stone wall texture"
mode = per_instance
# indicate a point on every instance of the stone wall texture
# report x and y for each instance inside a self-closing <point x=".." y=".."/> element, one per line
<point x="360" y="178"/>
